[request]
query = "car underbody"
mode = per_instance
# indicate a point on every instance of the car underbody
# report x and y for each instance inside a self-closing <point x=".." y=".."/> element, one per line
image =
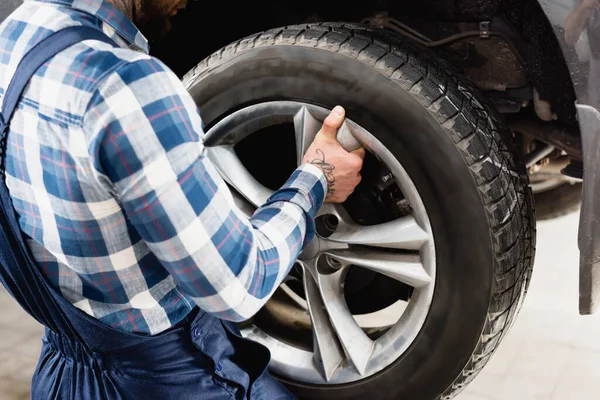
<point x="506" y="47"/>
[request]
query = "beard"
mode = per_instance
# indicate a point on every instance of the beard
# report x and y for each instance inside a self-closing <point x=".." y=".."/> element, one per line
<point x="153" y="17"/>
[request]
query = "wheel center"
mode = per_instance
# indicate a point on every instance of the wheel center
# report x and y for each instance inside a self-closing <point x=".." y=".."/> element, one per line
<point x="311" y="250"/>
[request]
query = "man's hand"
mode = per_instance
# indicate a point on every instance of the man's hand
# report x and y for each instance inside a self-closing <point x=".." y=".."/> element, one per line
<point x="341" y="168"/>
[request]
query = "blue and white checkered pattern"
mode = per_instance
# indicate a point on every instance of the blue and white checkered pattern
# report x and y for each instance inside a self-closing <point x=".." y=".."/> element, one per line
<point x="106" y="168"/>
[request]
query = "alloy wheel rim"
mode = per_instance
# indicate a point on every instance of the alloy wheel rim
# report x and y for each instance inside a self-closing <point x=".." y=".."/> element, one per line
<point x="402" y="249"/>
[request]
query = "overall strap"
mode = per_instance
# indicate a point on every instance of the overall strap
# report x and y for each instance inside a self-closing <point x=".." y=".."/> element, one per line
<point x="19" y="273"/>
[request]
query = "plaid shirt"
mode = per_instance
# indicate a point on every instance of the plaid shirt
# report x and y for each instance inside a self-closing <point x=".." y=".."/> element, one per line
<point x="107" y="172"/>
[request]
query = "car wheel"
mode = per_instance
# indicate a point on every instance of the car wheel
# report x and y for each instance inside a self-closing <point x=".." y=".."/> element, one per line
<point x="410" y="285"/>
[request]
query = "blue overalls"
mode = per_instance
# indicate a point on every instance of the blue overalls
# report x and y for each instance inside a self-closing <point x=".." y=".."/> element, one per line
<point x="201" y="358"/>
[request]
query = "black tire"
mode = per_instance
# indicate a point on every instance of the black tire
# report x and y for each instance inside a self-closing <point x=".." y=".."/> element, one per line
<point x="455" y="150"/>
<point x="559" y="201"/>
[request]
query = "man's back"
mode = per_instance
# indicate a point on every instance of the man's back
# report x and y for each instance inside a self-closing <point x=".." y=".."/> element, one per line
<point x="109" y="178"/>
<point x="81" y="237"/>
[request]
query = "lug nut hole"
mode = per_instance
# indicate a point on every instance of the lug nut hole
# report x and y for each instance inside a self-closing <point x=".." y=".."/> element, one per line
<point x="326" y="225"/>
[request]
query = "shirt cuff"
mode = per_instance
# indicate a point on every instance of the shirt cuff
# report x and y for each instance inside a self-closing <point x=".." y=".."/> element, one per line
<point x="306" y="188"/>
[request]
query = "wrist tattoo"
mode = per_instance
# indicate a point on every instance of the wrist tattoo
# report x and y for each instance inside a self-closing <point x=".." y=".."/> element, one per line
<point x="327" y="169"/>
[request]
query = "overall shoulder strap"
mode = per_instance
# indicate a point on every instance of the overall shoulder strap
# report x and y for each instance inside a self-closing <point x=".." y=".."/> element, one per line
<point x="36" y="57"/>
<point x="19" y="273"/>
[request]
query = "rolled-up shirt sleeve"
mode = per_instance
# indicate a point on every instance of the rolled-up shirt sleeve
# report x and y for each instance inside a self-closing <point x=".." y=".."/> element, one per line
<point x="145" y="139"/>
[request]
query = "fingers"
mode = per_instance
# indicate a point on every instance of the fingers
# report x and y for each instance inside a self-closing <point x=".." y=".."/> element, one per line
<point x="333" y="121"/>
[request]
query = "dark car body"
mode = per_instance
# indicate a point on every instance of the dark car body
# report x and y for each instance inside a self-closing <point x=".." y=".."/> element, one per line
<point x="582" y="57"/>
<point x="583" y="61"/>
<point x="6" y="7"/>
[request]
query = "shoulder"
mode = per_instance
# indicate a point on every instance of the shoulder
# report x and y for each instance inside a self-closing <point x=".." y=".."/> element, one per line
<point x="71" y="79"/>
<point x="141" y="81"/>
<point x="141" y="95"/>
<point x="88" y="64"/>
<point x="112" y="81"/>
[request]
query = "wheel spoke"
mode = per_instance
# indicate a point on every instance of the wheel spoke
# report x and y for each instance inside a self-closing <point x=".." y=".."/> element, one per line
<point x="355" y="342"/>
<point x="346" y="138"/>
<point x="306" y="127"/>
<point x="235" y="127"/>
<point x="244" y="205"/>
<point x="328" y="353"/>
<point x="406" y="268"/>
<point x="235" y="173"/>
<point x="402" y="233"/>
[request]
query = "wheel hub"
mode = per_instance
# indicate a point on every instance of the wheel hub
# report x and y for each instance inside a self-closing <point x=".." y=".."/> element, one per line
<point x="311" y="250"/>
<point x="344" y="348"/>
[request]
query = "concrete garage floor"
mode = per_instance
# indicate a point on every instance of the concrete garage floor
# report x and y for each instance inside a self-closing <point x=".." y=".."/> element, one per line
<point x="552" y="353"/>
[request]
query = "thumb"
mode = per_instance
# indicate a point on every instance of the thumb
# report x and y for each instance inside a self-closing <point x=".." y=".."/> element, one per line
<point x="333" y="121"/>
